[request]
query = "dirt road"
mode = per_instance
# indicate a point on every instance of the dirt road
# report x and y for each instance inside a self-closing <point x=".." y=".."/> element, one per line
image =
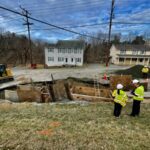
<point x="87" y="71"/>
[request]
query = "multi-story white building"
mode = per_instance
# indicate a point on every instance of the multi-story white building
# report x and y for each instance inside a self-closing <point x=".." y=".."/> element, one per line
<point x="65" y="53"/>
<point x="130" y="54"/>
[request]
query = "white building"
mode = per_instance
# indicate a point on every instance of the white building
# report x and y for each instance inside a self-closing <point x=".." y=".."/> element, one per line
<point x="125" y="54"/>
<point x="65" y="53"/>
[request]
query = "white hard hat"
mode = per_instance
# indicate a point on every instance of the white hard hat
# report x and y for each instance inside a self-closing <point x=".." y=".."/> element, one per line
<point x="119" y="86"/>
<point x="135" y="81"/>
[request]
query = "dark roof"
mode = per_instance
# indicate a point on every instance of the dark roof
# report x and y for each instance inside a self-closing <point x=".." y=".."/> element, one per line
<point x="68" y="44"/>
<point x="132" y="47"/>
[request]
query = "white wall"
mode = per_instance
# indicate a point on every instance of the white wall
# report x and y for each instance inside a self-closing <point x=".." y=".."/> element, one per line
<point x="65" y="56"/>
<point x="113" y="54"/>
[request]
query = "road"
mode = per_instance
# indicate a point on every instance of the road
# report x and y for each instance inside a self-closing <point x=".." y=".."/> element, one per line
<point x="87" y="71"/>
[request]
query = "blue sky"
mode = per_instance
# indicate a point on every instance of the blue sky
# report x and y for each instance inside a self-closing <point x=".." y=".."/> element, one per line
<point x="92" y="15"/>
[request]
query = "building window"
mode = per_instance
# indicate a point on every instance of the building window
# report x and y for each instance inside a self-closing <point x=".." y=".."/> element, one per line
<point x="60" y="59"/>
<point x="142" y="52"/>
<point x="78" y="59"/>
<point x="66" y="60"/>
<point x="141" y="59"/>
<point x="134" y="52"/>
<point x="50" y="50"/>
<point x="121" y="59"/>
<point x="123" y="52"/>
<point x="69" y="50"/>
<point x="134" y="59"/>
<point x="62" y="51"/>
<point x="59" y="50"/>
<point x="71" y="59"/>
<point x="72" y="50"/>
<point x="75" y="51"/>
<point x="50" y="58"/>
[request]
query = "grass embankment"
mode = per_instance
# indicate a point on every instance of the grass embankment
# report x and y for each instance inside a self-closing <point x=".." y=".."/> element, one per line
<point x="59" y="127"/>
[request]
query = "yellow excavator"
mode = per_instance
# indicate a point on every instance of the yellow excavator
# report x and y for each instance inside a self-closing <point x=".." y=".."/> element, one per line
<point x="5" y="74"/>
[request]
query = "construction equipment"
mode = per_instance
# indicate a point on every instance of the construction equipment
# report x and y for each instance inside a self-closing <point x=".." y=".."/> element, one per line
<point x="5" y="74"/>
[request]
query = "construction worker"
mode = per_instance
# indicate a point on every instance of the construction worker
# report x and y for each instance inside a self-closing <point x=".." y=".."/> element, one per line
<point x="138" y="96"/>
<point x="120" y="99"/>
<point x="145" y="71"/>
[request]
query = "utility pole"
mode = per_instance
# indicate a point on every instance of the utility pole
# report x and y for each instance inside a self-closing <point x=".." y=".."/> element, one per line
<point x="26" y="14"/>
<point x="110" y="21"/>
<point x="109" y="34"/>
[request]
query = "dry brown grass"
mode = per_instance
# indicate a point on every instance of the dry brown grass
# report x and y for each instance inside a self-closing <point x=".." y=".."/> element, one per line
<point x="72" y="127"/>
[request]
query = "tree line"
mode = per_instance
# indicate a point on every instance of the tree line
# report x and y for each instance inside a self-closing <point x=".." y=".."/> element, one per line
<point x="14" y="49"/>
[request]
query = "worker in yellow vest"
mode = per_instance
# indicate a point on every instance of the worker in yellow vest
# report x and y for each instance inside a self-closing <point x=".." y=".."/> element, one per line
<point x="138" y="97"/>
<point x="120" y="99"/>
<point x="145" y="71"/>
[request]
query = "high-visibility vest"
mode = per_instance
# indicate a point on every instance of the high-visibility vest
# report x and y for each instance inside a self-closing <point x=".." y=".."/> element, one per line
<point x="139" y="93"/>
<point x="145" y="70"/>
<point x="120" y="98"/>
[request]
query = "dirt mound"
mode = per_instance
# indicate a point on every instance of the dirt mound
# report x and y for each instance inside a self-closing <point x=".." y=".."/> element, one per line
<point x="135" y="71"/>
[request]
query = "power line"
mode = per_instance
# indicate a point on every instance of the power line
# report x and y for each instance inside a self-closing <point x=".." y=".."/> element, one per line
<point x="44" y="11"/>
<point x="134" y="23"/>
<point x="62" y="5"/>
<point x="75" y="7"/>
<point x="49" y="24"/>
<point x="9" y="19"/>
<point x="80" y="26"/>
<point x="66" y="6"/>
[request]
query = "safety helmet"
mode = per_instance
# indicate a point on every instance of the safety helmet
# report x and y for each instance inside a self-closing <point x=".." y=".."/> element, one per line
<point x="119" y="86"/>
<point x="135" y="81"/>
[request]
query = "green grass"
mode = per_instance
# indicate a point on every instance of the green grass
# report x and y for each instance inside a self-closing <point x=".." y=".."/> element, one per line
<point x="72" y="127"/>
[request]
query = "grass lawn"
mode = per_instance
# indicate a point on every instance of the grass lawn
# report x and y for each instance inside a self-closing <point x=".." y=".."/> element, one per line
<point x="72" y="127"/>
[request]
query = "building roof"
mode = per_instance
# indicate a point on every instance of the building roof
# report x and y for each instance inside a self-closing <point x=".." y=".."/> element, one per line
<point x="132" y="47"/>
<point x="68" y="44"/>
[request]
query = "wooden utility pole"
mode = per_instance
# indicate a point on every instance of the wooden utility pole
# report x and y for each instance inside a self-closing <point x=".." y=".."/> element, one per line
<point x="110" y="21"/>
<point x="26" y="14"/>
<point x="109" y="34"/>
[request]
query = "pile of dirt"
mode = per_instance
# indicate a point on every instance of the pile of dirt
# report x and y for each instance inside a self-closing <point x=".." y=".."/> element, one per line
<point x="125" y="80"/>
<point x="135" y="71"/>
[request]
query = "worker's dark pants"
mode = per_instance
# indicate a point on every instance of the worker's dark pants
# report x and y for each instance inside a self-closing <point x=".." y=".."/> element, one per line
<point x="136" y="108"/>
<point x="145" y="75"/>
<point x="117" y="109"/>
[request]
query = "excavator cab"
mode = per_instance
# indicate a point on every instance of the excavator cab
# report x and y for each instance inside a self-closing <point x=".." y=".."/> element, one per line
<point x="5" y="74"/>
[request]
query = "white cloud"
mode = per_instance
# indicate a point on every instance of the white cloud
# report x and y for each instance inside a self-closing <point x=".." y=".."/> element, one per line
<point x="75" y="13"/>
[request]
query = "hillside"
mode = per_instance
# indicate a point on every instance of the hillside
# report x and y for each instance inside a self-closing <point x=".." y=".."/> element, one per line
<point x="72" y="126"/>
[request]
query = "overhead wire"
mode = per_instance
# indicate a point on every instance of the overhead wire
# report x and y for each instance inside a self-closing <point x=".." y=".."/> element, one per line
<point x="49" y="24"/>
<point x="63" y="7"/>
<point x="54" y="5"/>
<point x="128" y="23"/>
